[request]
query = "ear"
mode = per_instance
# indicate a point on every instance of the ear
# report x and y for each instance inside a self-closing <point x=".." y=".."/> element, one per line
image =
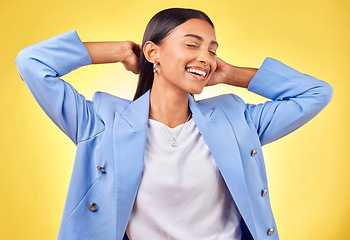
<point x="150" y="50"/>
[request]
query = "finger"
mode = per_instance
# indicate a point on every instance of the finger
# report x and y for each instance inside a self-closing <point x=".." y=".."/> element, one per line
<point x="135" y="66"/>
<point x="135" y="70"/>
<point x="136" y="48"/>
<point x="139" y="50"/>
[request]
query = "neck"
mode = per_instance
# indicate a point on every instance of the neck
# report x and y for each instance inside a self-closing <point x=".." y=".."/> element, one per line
<point x="169" y="107"/>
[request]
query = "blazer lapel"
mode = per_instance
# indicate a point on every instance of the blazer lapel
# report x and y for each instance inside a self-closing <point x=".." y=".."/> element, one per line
<point x="130" y="134"/>
<point x="216" y="132"/>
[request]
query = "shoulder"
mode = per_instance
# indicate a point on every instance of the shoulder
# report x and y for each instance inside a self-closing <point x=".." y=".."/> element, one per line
<point x="231" y="105"/>
<point x="222" y="101"/>
<point x="105" y="102"/>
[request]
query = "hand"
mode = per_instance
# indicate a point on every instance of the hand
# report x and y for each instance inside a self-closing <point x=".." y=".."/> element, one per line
<point x="132" y="56"/>
<point x="221" y="72"/>
<point x="231" y="75"/>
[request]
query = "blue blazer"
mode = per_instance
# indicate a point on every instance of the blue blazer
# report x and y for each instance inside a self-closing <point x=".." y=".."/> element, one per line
<point x="110" y="134"/>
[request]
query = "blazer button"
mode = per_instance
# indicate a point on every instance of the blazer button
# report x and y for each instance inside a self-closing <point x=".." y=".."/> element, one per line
<point x="264" y="192"/>
<point x="271" y="231"/>
<point x="254" y="152"/>
<point x="93" y="207"/>
<point x="101" y="169"/>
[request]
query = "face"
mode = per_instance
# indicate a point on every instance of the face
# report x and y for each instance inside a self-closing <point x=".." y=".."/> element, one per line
<point x="187" y="57"/>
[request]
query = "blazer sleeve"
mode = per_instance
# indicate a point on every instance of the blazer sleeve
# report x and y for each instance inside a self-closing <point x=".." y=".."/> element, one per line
<point x="41" y="65"/>
<point x="296" y="98"/>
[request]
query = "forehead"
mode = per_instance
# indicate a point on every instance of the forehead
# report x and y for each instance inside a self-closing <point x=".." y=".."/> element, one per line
<point x="194" y="26"/>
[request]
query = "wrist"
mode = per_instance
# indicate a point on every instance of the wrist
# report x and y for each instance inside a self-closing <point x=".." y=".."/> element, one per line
<point x="240" y="76"/>
<point x="230" y="75"/>
<point x="125" y="52"/>
<point x="120" y="52"/>
<point x="106" y="52"/>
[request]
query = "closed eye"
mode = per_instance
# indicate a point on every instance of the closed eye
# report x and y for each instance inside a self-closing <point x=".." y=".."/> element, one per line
<point x="213" y="53"/>
<point x="191" y="45"/>
<point x="196" y="46"/>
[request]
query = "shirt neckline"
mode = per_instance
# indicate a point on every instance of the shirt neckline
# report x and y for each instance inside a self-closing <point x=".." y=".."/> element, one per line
<point x="152" y="121"/>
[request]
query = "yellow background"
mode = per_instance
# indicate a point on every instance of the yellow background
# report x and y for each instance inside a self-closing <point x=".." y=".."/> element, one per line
<point x="308" y="170"/>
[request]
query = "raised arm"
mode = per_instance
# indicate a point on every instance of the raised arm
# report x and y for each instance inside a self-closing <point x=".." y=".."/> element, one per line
<point x="41" y="65"/>
<point x="296" y="97"/>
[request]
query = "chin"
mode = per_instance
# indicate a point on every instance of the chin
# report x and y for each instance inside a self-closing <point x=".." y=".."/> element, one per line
<point x="197" y="91"/>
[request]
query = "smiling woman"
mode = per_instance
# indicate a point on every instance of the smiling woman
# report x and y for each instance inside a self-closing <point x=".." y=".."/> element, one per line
<point x="165" y="166"/>
<point x="187" y="49"/>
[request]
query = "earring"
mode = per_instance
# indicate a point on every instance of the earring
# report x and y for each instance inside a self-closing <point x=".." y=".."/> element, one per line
<point x="155" y="70"/>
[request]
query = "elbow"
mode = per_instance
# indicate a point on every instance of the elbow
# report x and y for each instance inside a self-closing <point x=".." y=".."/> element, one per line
<point x="29" y="67"/>
<point x="22" y="57"/>
<point x="317" y="99"/>
<point x="19" y="59"/>
<point x="22" y="61"/>
<point x="320" y="98"/>
<point x="327" y="93"/>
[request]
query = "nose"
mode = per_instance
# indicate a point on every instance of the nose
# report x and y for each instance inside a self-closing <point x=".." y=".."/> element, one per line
<point x="204" y="57"/>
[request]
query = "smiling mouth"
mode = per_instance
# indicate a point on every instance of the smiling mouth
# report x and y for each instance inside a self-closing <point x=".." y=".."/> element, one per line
<point x="196" y="72"/>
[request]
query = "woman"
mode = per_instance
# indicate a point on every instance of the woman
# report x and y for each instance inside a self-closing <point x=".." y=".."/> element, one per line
<point x="165" y="166"/>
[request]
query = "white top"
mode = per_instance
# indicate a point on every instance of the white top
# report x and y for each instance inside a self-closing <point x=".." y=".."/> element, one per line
<point x="182" y="194"/>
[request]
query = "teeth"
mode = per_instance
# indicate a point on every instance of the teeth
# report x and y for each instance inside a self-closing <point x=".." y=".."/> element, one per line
<point x="197" y="71"/>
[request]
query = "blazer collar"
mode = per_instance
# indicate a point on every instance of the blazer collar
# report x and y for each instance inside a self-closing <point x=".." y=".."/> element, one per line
<point x="136" y="114"/>
<point x="200" y="110"/>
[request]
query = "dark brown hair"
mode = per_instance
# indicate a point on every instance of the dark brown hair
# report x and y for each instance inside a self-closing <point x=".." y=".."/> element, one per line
<point x="160" y="26"/>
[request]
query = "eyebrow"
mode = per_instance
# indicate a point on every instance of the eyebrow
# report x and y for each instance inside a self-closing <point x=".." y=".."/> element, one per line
<point x="200" y="38"/>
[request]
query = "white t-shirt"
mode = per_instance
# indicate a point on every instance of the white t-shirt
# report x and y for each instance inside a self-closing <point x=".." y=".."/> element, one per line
<point x="182" y="194"/>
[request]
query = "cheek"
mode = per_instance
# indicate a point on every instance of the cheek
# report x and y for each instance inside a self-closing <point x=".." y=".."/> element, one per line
<point x="170" y="60"/>
<point x="175" y="63"/>
<point x="214" y="65"/>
